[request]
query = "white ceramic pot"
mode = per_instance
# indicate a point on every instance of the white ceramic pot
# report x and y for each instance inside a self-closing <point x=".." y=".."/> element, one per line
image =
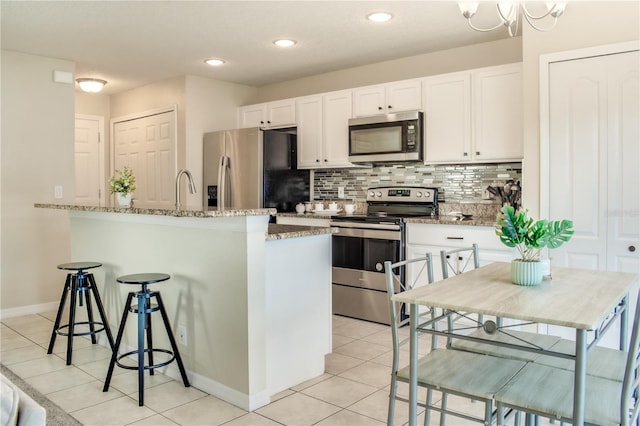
<point x="299" y="208"/>
<point x="124" y="199"/>
<point x="526" y="273"/>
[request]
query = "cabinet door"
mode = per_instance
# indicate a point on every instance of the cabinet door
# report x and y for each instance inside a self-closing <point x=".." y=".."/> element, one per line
<point x="497" y="109"/>
<point x="252" y="115"/>
<point x="309" y="112"/>
<point x="369" y="101"/>
<point x="281" y="113"/>
<point x="337" y="109"/>
<point x="404" y="96"/>
<point x="448" y="118"/>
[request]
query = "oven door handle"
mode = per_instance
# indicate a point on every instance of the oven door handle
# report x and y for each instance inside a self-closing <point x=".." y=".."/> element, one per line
<point x="389" y="227"/>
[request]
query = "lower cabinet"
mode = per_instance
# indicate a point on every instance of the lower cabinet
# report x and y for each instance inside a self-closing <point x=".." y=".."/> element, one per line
<point x="432" y="238"/>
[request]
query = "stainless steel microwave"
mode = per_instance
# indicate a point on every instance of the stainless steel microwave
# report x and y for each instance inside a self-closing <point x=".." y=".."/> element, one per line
<point x="386" y="138"/>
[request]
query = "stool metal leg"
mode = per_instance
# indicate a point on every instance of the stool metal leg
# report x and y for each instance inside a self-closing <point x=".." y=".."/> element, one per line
<point x="56" y="324"/>
<point x="114" y="356"/>
<point x="142" y="314"/>
<point x="84" y="287"/>
<point x="149" y="333"/>
<point x="72" y="316"/>
<point x="172" y="340"/>
<point x="103" y="316"/>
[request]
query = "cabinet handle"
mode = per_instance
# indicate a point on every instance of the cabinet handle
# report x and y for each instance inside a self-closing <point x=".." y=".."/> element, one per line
<point x="632" y="248"/>
<point x="455" y="238"/>
<point x="389" y="106"/>
<point x="268" y="121"/>
<point x="477" y="152"/>
<point x="465" y="154"/>
<point x="379" y="108"/>
<point x="261" y="121"/>
<point x="317" y="160"/>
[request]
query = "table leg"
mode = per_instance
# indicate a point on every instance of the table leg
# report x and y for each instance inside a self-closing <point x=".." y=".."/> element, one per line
<point x="580" y="377"/>
<point x="413" y="365"/>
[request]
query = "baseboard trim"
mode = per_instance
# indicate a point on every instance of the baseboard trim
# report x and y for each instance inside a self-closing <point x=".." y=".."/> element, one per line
<point x="28" y="310"/>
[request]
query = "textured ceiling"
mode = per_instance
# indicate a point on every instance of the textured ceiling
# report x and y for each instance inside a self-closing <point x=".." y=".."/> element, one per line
<point x="133" y="43"/>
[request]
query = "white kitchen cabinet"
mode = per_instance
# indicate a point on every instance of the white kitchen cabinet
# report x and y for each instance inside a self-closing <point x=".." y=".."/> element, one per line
<point x="399" y="96"/>
<point x="323" y="134"/>
<point x="268" y="115"/>
<point x="432" y="238"/>
<point x="474" y="116"/>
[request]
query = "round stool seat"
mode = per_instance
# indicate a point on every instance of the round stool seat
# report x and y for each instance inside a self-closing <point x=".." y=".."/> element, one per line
<point x="79" y="266"/>
<point x="146" y="278"/>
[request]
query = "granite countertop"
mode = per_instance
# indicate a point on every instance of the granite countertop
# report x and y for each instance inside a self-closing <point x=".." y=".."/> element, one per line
<point x="281" y="232"/>
<point x="441" y="220"/>
<point x="186" y="212"/>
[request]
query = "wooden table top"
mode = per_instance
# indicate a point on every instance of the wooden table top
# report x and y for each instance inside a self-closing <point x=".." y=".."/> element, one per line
<point x="575" y="298"/>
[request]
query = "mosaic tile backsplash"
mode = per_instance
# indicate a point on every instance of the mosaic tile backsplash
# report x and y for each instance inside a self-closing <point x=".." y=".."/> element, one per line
<point x="455" y="183"/>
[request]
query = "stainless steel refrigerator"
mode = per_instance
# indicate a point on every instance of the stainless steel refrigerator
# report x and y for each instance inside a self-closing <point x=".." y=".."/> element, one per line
<point x="253" y="168"/>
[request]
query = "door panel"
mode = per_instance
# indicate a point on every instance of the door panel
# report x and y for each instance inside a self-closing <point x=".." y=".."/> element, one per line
<point x="88" y="184"/>
<point x="147" y="145"/>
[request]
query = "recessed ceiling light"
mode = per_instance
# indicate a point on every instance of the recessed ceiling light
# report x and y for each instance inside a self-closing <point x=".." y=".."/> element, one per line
<point x="284" y="42"/>
<point x="379" y="17"/>
<point x="214" y="62"/>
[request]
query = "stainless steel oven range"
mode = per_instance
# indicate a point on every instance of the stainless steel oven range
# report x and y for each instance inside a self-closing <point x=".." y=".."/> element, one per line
<point x="362" y="243"/>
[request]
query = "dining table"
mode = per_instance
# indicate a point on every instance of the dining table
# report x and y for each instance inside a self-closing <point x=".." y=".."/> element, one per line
<point x="587" y="301"/>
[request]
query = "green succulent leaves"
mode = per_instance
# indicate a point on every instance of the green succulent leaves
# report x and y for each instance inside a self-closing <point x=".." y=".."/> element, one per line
<point x="516" y="229"/>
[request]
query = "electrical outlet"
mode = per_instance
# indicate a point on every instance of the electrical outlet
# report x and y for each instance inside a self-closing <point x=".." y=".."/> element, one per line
<point x="486" y="195"/>
<point x="57" y="192"/>
<point x="341" y="192"/>
<point x="182" y="335"/>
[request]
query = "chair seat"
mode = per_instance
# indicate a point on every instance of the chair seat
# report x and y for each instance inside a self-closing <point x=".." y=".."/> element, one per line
<point x="79" y="266"/>
<point x="472" y="374"/>
<point x="547" y="390"/>
<point x="601" y="362"/>
<point x="516" y="337"/>
<point x="145" y="278"/>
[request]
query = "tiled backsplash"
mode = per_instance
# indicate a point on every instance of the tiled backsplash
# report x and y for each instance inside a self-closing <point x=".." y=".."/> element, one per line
<point x="455" y="183"/>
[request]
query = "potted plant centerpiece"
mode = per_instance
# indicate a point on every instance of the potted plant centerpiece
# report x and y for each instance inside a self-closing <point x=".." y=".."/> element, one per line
<point x="123" y="186"/>
<point x="517" y="229"/>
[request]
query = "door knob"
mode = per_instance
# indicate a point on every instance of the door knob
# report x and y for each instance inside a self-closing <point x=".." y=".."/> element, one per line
<point x="632" y="248"/>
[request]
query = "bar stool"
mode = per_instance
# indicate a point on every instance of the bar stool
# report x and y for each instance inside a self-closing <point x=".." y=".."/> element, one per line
<point x="144" y="308"/>
<point x="77" y="284"/>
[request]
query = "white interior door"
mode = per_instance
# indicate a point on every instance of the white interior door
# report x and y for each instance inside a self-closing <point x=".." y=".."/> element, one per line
<point x="148" y="145"/>
<point x="593" y="164"/>
<point x="89" y="169"/>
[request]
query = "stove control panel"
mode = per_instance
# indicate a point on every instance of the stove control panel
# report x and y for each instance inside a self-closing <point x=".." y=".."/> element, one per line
<point x="402" y="194"/>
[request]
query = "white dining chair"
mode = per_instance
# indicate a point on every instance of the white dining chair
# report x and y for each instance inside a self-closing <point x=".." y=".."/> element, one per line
<point x="545" y="390"/>
<point x="471" y="375"/>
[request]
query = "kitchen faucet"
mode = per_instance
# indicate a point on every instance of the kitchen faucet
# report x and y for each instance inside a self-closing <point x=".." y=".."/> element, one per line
<point x="190" y="184"/>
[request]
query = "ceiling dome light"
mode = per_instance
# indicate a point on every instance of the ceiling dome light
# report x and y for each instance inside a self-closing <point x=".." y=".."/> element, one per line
<point x="379" y="17"/>
<point x="284" y="42"/>
<point x="214" y="62"/>
<point x="91" y="85"/>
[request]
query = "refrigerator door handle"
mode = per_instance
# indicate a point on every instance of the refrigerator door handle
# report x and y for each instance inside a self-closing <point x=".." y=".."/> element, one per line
<point x="222" y="183"/>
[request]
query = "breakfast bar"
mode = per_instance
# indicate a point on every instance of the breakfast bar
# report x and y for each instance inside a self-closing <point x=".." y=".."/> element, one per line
<point x="253" y="298"/>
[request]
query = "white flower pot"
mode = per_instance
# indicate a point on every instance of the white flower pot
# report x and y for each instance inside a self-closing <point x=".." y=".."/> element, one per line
<point x="526" y="273"/>
<point x="124" y="199"/>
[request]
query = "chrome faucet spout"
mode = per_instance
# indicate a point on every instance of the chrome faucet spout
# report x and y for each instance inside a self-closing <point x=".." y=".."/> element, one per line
<point x="190" y="185"/>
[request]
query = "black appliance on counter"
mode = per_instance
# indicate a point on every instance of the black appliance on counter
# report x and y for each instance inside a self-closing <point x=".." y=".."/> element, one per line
<point x="253" y="168"/>
<point x="362" y="243"/>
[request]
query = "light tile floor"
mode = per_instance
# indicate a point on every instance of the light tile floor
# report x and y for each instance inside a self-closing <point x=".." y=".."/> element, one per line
<point x="353" y="390"/>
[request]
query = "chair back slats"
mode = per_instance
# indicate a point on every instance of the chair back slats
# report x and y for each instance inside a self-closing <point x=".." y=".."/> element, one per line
<point x="629" y="406"/>
<point x="459" y="260"/>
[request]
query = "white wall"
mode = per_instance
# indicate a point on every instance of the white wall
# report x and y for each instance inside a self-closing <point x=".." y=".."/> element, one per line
<point x="583" y="24"/>
<point x="37" y="153"/>
<point x="499" y="52"/>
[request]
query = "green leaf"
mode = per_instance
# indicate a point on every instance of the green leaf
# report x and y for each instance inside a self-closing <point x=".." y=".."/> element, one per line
<point x="559" y="232"/>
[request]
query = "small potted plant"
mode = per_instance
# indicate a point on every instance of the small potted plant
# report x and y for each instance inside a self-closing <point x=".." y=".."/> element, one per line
<point x="123" y="185"/>
<point x="516" y="229"/>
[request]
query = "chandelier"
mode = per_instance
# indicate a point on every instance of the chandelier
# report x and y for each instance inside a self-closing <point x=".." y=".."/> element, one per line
<point x="510" y="12"/>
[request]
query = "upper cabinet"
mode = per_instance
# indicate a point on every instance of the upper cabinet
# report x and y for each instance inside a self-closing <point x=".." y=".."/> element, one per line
<point x="474" y="115"/>
<point x="323" y="132"/>
<point x="268" y="115"/>
<point x="388" y="98"/>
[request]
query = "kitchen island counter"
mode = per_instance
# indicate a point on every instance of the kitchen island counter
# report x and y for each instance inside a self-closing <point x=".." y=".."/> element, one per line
<point x="254" y="298"/>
